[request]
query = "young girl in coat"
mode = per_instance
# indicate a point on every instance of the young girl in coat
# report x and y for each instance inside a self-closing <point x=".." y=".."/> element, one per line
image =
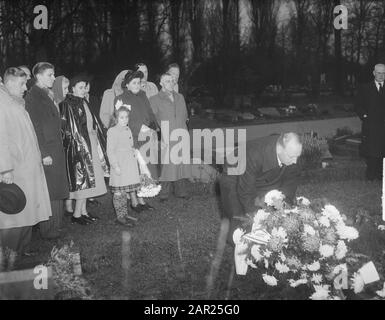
<point x="124" y="175"/>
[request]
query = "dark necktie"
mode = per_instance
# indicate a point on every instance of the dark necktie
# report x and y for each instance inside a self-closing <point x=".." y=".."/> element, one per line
<point x="380" y="87"/>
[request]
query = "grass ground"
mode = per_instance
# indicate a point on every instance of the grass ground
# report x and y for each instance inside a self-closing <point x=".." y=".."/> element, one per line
<point x="172" y="247"/>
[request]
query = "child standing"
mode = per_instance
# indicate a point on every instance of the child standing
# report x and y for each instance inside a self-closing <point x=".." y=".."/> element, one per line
<point x="124" y="176"/>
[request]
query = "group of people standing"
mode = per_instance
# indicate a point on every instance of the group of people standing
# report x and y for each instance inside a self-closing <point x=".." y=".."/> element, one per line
<point x="60" y="152"/>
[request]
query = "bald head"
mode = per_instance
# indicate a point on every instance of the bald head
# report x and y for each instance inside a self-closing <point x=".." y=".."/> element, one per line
<point x="289" y="148"/>
<point x="379" y="72"/>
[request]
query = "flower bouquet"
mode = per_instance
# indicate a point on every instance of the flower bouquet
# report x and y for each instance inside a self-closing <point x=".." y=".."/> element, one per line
<point x="305" y="244"/>
<point x="149" y="188"/>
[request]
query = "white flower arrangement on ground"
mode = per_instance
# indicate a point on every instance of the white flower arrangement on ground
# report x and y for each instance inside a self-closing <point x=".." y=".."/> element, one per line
<point x="149" y="188"/>
<point x="308" y="244"/>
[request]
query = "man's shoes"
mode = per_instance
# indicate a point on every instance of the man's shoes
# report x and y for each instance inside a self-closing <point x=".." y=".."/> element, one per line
<point x="82" y="221"/>
<point x="124" y="222"/>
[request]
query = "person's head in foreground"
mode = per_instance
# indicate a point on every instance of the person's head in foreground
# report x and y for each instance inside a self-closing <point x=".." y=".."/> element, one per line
<point x="121" y="116"/>
<point x="44" y="73"/>
<point x="78" y="86"/>
<point x="132" y="81"/>
<point x="167" y="82"/>
<point x="15" y="80"/>
<point x="289" y="148"/>
<point x="27" y="71"/>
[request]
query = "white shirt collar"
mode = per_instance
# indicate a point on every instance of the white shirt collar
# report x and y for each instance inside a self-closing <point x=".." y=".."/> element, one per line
<point x="378" y="84"/>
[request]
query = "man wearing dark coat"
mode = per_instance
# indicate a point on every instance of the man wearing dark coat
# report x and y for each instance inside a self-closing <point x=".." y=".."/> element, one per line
<point x="45" y="117"/>
<point x="370" y="107"/>
<point x="271" y="164"/>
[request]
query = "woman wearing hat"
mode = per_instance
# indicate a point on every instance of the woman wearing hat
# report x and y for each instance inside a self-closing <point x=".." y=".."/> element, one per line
<point x="142" y="119"/>
<point x="44" y="113"/>
<point x="85" y="151"/>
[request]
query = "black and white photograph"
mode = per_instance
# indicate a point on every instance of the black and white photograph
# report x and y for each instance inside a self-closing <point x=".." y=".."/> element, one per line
<point x="192" y="155"/>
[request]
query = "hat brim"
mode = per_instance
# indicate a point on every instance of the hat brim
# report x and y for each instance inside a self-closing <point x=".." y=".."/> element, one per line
<point x="12" y="198"/>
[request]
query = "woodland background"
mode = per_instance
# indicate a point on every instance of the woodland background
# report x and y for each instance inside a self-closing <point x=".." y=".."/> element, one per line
<point x="224" y="46"/>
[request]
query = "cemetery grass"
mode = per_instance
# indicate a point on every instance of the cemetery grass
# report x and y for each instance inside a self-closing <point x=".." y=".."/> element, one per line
<point x="172" y="247"/>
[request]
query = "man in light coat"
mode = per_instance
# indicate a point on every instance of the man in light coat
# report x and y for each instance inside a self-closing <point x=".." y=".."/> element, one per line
<point x="170" y="108"/>
<point x="20" y="163"/>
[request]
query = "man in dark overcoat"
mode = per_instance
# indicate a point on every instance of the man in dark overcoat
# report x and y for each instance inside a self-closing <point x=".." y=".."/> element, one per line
<point x="370" y="107"/>
<point x="271" y="164"/>
<point x="45" y="117"/>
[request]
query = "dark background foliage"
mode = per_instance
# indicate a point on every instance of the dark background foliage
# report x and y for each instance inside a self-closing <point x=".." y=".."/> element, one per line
<point x="226" y="47"/>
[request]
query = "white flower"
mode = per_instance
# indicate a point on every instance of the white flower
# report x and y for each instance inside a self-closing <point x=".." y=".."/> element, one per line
<point x="282" y="268"/>
<point x="346" y="232"/>
<point x="255" y="252"/>
<point x="358" y="283"/>
<point x="309" y="230"/>
<point x="381" y="293"/>
<point x="237" y="236"/>
<point x="294" y="210"/>
<point x="120" y="104"/>
<point x="316" y="278"/>
<point x="273" y="195"/>
<point x="332" y="213"/>
<point x="282" y="257"/>
<point x="297" y="283"/>
<point x="315" y="266"/>
<point x="326" y="251"/>
<point x="260" y="216"/>
<point x="266" y="263"/>
<point x="381" y="227"/>
<point x="341" y="250"/>
<point x="340" y="268"/>
<point x="321" y="292"/>
<point x="267" y="254"/>
<point x="324" y="221"/>
<point x="280" y="233"/>
<point x="270" y="280"/>
<point x="304" y="201"/>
